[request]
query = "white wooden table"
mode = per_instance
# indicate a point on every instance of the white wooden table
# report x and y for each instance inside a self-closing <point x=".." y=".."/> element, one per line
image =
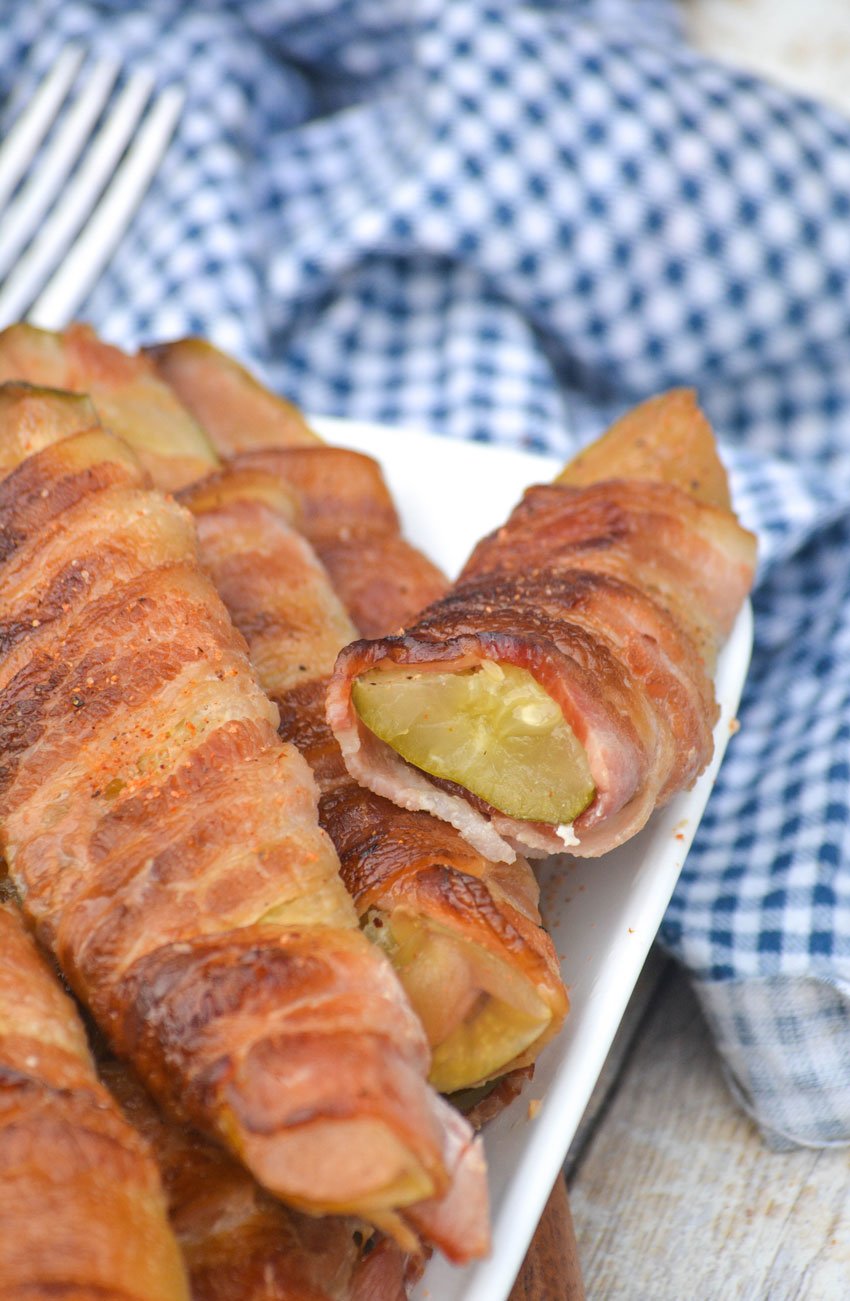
<point x="674" y="1196"/>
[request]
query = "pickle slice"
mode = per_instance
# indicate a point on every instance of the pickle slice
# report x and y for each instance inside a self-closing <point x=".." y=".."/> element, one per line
<point x="491" y="729"/>
<point x="496" y="1017"/>
<point x="32" y="418"/>
<point x="667" y="440"/>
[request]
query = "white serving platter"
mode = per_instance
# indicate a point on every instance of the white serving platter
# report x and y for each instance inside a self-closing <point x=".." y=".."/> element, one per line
<point x="601" y="913"/>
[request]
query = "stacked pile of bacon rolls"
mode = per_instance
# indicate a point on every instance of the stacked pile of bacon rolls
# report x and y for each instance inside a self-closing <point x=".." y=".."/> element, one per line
<point x="285" y="958"/>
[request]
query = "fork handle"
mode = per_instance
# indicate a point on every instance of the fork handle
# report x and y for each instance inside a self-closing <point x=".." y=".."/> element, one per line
<point x="550" y="1271"/>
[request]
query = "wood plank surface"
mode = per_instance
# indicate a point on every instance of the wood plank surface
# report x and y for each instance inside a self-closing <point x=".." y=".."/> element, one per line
<point x="551" y="1269"/>
<point x="674" y="1196"/>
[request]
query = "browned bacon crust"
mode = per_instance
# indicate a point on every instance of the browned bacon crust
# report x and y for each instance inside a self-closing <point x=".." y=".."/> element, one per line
<point x="236" y="1240"/>
<point x="616" y="597"/>
<point x="82" y="1211"/>
<point x="393" y="862"/>
<point x="166" y="846"/>
<point x="346" y="510"/>
<point x="227" y="400"/>
<point x="349" y="519"/>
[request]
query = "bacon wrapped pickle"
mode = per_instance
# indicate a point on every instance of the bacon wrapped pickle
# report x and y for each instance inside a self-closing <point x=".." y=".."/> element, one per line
<point x="33" y="417"/>
<point x="236" y="1240"/>
<point x="346" y="511"/>
<point x="82" y="1210"/>
<point x="463" y="933"/>
<point x="165" y="844"/>
<point x="127" y="394"/>
<point x="561" y="690"/>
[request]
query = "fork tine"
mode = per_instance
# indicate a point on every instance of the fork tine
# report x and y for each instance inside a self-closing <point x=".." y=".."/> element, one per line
<point x="52" y="168"/>
<point x="83" y="263"/>
<point x="78" y="200"/>
<point x="32" y="125"/>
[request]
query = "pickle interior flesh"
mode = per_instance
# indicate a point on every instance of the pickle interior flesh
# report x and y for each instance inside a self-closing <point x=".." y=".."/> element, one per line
<point x="491" y="728"/>
<point x="492" y="1019"/>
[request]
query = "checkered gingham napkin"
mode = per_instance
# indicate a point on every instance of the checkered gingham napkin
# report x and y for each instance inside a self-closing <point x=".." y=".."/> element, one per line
<point x="508" y="221"/>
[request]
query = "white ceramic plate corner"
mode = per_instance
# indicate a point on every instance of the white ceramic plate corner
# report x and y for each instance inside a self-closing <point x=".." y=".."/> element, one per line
<point x="603" y="914"/>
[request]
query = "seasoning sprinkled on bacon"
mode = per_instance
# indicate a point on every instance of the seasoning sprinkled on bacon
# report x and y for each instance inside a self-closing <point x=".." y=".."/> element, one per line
<point x="165" y="844"/>
<point x="82" y="1210"/>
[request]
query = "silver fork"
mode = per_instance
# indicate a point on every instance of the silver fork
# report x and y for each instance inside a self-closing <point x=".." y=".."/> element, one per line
<point x="67" y="194"/>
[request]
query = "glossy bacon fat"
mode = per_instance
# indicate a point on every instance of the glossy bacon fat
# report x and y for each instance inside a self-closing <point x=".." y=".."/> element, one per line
<point x="463" y="933"/>
<point x="165" y="844"/>
<point x="613" y="598"/>
<point x="82" y="1210"/>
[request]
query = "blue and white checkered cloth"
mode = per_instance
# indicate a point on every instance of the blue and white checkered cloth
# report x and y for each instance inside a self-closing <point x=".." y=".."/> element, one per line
<point x="508" y="221"/>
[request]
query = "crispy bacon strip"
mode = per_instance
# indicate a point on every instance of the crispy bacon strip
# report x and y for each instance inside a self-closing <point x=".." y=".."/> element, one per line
<point x="168" y="404"/>
<point x="231" y="405"/>
<point x="463" y="933"/>
<point x="237" y="1241"/>
<point x="347" y="513"/>
<point x="34" y="417"/>
<point x="82" y="1211"/>
<point x="449" y="918"/>
<point x="615" y="596"/>
<point x="348" y="517"/>
<point x="165" y="843"/>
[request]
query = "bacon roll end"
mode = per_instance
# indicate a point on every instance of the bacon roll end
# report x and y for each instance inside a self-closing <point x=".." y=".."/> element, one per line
<point x="615" y="596"/>
<point x="127" y="394"/>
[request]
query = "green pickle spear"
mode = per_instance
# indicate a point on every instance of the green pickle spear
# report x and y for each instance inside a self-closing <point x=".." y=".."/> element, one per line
<point x="476" y="1035"/>
<point x="491" y="728"/>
